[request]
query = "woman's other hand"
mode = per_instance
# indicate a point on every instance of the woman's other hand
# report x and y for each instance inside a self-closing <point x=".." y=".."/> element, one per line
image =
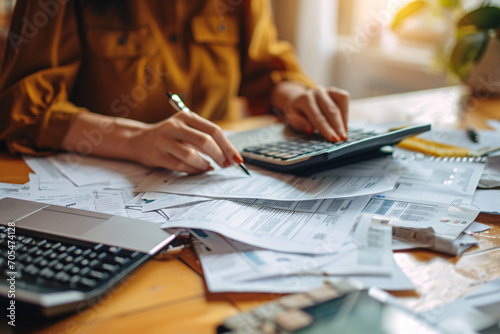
<point x="319" y="109"/>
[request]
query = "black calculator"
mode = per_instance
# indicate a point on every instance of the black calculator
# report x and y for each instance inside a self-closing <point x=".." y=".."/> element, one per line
<point x="281" y="149"/>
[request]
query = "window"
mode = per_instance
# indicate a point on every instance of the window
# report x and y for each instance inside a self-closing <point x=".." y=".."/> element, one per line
<point x="6" y="8"/>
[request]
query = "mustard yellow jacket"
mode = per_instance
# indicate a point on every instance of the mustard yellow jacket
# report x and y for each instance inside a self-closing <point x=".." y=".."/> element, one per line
<point x="63" y="59"/>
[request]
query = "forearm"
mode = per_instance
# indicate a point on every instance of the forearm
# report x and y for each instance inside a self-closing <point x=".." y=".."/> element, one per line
<point x="113" y="137"/>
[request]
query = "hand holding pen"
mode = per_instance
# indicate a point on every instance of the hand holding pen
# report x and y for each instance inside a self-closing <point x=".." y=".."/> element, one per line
<point x="193" y="133"/>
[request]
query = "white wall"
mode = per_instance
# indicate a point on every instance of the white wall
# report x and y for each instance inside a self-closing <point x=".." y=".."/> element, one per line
<point x="311" y="27"/>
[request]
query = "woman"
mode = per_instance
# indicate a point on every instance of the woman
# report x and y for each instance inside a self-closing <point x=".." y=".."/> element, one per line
<point x="91" y="77"/>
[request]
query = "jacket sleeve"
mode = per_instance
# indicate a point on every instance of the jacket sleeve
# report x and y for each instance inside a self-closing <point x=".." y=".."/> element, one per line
<point x="41" y="63"/>
<point x="266" y="61"/>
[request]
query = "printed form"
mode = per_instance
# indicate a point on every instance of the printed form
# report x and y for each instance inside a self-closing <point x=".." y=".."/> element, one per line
<point x="230" y="183"/>
<point x="225" y="271"/>
<point x="230" y="260"/>
<point x="434" y="181"/>
<point x="279" y="230"/>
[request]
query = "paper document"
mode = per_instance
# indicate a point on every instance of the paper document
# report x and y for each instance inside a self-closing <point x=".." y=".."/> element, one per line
<point x="278" y="230"/>
<point x="14" y="190"/>
<point x="405" y="238"/>
<point x="487" y="201"/>
<point x="172" y="200"/>
<point x="82" y="170"/>
<point x="369" y="254"/>
<point x="491" y="174"/>
<point x="230" y="183"/>
<point x="433" y="181"/>
<point x="49" y="176"/>
<point x="446" y="220"/>
<point x="333" y="206"/>
<point x="289" y="283"/>
<point x="230" y="260"/>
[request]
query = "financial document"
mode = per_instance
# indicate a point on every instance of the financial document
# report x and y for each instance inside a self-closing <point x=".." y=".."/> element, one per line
<point x="487" y="201"/>
<point x="491" y="174"/>
<point x="279" y="230"/>
<point x="446" y="220"/>
<point x="369" y="253"/>
<point x="171" y="201"/>
<point x="332" y="206"/>
<point x="222" y="272"/>
<point x="230" y="183"/>
<point x="431" y="181"/>
<point x="84" y="170"/>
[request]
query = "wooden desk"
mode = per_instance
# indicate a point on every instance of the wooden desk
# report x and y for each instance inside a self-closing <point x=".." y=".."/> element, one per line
<point x="168" y="294"/>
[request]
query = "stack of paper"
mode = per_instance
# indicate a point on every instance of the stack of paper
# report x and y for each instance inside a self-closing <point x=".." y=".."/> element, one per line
<point x="281" y="233"/>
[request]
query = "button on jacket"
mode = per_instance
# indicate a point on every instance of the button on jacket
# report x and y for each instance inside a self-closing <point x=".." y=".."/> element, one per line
<point x="65" y="57"/>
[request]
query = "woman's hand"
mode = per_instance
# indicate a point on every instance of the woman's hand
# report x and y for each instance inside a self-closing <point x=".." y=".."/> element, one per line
<point x="319" y="109"/>
<point x="174" y="143"/>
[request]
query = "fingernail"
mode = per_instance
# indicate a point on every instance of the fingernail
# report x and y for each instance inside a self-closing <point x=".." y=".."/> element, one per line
<point x="237" y="158"/>
<point x="335" y="138"/>
<point x="210" y="168"/>
<point x="344" y="138"/>
<point x="227" y="163"/>
<point x="308" y="130"/>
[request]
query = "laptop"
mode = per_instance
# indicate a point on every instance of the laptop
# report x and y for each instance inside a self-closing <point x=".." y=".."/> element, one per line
<point x="279" y="148"/>
<point x="56" y="260"/>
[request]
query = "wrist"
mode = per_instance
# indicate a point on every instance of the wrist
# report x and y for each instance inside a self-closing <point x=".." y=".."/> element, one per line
<point x="112" y="137"/>
<point x="132" y="137"/>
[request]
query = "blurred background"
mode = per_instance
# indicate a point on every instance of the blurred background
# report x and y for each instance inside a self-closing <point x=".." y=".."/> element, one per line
<point x="350" y="43"/>
<point x="6" y="7"/>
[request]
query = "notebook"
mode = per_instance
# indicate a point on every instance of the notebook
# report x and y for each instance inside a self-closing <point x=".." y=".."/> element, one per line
<point x="55" y="260"/>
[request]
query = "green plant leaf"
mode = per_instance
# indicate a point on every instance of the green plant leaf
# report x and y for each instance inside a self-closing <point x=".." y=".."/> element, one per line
<point x="407" y="11"/>
<point x="483" y="18"/>
<point x="467" y="52"/>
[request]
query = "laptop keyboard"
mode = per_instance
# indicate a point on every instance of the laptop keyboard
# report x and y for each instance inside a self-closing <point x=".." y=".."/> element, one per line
<point x="292" y="148"/>
<point x="46" y="263"/>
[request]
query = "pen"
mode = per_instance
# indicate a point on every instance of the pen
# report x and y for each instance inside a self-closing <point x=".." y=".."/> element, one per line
<point x="176" y="102"/>
<point x="472" y="134"/>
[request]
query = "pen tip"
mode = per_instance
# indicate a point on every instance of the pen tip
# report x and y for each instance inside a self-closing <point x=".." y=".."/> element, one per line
<point x="245" y="169"/>
<point x="169" y="94"/>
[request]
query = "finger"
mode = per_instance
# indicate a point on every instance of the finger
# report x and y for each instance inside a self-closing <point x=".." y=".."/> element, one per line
<point x="231" y="154"/>
<point x="331" y="111"/>
<point x="188" y="155"/>
<point x="168" y="161"/>
<point x="310" y="108"/>
<point x="341" y="98"/>
<point x="202" y="141"/>
<point x="299" y="122"/>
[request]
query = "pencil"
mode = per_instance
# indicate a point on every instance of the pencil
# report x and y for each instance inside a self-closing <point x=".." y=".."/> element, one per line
<point x="176" y="102"/>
